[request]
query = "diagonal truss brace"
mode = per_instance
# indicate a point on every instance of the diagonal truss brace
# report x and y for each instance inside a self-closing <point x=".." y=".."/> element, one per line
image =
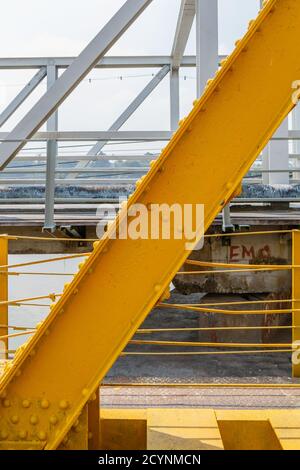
<point x="21" y="97"/>
<point x="129" y="111"/>
<point x="183" y="29"/>
<point x="156" y="80"/>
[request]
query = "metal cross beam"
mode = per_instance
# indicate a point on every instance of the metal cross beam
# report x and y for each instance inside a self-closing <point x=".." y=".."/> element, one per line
<point x="21" y="97"/>
<point x="110" y="62"/>
<point x="92" y="136"/>
<point x="183" y="29"/>
<point x="69" y="80"/>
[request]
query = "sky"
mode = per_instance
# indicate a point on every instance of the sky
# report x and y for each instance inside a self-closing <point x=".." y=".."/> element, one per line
<point x="64" y="28"/>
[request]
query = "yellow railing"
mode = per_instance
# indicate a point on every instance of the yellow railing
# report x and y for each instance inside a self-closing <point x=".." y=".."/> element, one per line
<point x="293" y="304"/>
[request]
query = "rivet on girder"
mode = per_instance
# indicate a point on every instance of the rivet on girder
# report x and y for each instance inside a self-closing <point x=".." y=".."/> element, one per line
<point x="53" y="419"/>
<point x="6" y="403"/>
<point x="76" y="423"/>
<point x="75" y="291"/>
<point x="3" y="394"/>
<point x="209" y="82"/>
<point x="251" y="22"/>
<point x="3" y="435"/>
<point x="26" y="403"/>
<point x="42" y="435"/>
<point x="95" y="245"/>
<point x="77" y="429"/>
<point x="157" y="288"/>
<point x="85" y="392"/>
<point x="63" y="404"/>
<point x="45" y="404"/>
<point x="32" y="353"/>
<point x="34" y="419"/>
<point x="22" y="434"/>
<point x="66" y="286"/>
<point x="14" y="419"/>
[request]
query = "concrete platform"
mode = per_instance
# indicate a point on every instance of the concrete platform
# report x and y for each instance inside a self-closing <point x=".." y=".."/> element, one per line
<point x="119" y="397"/>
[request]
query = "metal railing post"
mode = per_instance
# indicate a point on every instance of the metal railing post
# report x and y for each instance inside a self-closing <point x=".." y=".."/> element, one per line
<point x="3" y="296"/>
<point x="296" y="294"/>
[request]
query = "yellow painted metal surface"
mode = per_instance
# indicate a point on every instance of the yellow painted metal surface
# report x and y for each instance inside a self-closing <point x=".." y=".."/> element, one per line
<point x="93" y="422"/>
<point x="123" y="429"/>
<point x="122" y="280"/>
<point x="200" y="429"/>
<point x="285" y="425"/>
<point x="183" y="429"/>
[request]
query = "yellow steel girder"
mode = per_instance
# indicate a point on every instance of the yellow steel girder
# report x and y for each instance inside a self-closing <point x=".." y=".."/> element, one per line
<point x="50" y="380"/>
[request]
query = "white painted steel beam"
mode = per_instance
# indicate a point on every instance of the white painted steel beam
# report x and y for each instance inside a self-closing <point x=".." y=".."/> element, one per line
<point x="184" y="25"/>
<point x="118" y="136"/>
<point x="52" y="125"/>
<point x="207" y="41"/>
<point x="111" y="62"/>
<point x="92" y="136"/>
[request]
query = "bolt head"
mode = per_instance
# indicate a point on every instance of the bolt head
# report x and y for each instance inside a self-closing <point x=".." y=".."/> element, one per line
<point x="53" y="419"/>
<point x="63" y="404"/>
<point x="14" y="419"/>
<point x="45" y="404"/>
<point x="34" y="419"/>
